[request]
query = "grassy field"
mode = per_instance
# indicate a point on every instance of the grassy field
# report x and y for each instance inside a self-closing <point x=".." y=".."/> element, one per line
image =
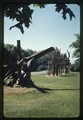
<point x="58" y="97"/>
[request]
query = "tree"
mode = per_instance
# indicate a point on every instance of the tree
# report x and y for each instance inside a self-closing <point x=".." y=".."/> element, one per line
<point x="39" y="64"/>
<point x="76" y="53"/>
<point x="22" y="13"/>
<point x="11" y="48"/>
<point x="76" y="45"/>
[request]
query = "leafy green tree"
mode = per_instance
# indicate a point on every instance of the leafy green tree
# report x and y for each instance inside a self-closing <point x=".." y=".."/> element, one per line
<point x="76" y="53"/>
<point x="76" y="45"/>
<point x="11" y="48"/>
<point x="39" y="64"/>
<point x="22" y="13"/>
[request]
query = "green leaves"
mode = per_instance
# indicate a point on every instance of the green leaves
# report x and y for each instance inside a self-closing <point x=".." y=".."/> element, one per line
<point x="65" y="10"/>
<point x="39" y="5"/>
<point x="22" y="13"/>
<point x="76" y="45"/>
<point x="19" y="26"/>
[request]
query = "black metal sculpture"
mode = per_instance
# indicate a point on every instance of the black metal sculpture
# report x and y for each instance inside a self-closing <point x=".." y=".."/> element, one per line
<point x="19" y="70"/>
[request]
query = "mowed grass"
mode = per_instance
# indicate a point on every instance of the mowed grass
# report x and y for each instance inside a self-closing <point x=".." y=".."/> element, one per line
<point x="62" y="98"/>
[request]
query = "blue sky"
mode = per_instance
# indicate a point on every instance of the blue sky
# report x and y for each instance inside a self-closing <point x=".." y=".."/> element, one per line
<point x="48" y="29"/>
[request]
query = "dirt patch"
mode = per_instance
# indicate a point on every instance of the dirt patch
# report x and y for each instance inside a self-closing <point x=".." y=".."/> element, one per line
<point x="17" y="90"/>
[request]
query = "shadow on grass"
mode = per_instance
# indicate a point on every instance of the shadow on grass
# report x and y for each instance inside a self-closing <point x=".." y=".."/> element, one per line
<point x="42" y="89"/>
<point x="46" y="90"/>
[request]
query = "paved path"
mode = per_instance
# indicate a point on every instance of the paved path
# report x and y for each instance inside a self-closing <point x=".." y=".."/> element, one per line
<point x="39" y="73"/>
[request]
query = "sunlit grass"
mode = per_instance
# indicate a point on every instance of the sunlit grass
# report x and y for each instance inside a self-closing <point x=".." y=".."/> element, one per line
<point x="61" y="100"/>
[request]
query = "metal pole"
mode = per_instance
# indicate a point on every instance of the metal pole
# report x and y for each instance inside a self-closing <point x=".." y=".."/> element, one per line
<point x="19" y="57"/>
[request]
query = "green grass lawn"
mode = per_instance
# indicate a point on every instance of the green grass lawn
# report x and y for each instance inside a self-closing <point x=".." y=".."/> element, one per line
<point x="62" y="98"/>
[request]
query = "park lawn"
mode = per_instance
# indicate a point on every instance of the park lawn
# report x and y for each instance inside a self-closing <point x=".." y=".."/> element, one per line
<point x="62" y="98"/>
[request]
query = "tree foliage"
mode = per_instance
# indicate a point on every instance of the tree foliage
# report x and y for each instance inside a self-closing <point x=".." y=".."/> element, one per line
<point x="11" y="48"/>
<point x="39" y="64"/>
<point x="76" y="45"/>
<point x="76" y="53"/>
<point x="65" y="10"/>
<point x="22" y="13"/>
